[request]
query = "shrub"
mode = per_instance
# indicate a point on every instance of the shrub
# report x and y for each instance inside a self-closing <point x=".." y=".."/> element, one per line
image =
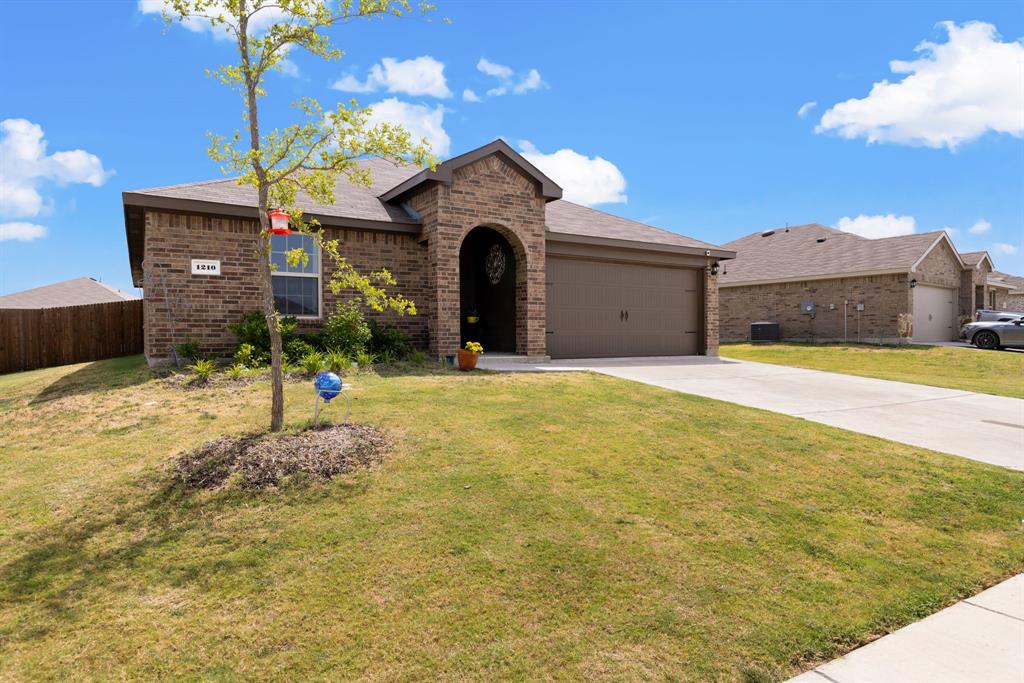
<point x="388" y="342"/>
<point x="346" y="330"/>
<point x="203" y="369"/>
<point x="365" y="359"/>
<point x="418" y="357"/>
<point x="188" y="350"/>
<point x="252" y="330"/>
<point x="296" y="349"/>
<point x="337" y="361"/>
<point x="312" y="362"/>
<point x="237" y="371"/>
<point x="247" y="355"/>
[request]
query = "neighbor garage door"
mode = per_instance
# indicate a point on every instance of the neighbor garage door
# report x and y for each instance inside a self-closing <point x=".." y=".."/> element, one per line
<point x="603" y="309"/>
<point x="933" y="313"/>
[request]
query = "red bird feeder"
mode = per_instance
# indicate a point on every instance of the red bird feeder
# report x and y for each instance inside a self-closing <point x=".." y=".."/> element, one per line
<point x="279" y="222"/>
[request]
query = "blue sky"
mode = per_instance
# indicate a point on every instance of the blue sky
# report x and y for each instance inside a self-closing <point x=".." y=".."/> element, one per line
<point x="683" y="115"/>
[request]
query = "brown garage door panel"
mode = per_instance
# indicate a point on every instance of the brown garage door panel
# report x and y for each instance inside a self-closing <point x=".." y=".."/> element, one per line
<point x="586" y="300"/>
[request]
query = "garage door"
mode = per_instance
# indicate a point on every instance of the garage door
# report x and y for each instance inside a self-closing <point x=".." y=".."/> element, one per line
<point x="601" y="309"/>
<point x="933" y="314"/>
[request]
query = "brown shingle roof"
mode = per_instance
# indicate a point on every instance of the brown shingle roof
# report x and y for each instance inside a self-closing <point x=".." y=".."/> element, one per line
<point x="1014" y="282"/>
<point x="795" y="253"/>
<point x="973" y="258"/>
<point x="566" y="218"/>
<point x="77" y="292"/>
<point x="351" y="201"/>
<point x="365" y="207"/>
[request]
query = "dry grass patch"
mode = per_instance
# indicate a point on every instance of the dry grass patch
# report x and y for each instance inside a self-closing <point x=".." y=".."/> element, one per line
<point x="262" y="460"/>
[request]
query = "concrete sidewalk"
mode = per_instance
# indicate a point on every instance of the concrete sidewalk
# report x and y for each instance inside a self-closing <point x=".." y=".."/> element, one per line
<point x="977" y="426"/>
<point x="978" y="639"/>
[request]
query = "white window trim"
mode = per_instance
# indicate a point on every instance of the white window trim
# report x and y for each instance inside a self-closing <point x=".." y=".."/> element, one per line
<point x="319" y="275"/>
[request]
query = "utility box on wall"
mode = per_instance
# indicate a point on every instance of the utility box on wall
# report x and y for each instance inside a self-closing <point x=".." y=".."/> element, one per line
<point x="807" y="308"/>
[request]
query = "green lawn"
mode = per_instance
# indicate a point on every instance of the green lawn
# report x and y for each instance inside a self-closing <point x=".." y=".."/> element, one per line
<point x="989" y="372"/>
<point x="528" y="526"/>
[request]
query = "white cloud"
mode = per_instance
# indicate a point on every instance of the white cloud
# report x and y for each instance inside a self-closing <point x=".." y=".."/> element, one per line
<point x="26" y="166"/>
<point x="492" y="69"/>
<point x="956" y="92"/>
<point x="469" y="96"/>
<point x="21" y="232"/>
<point x="531" y="82"/>
<point x="584" y="180"/>
<point x="421" y="121"/>
<point x="874" y="227"/>
<point x="1004" y="248"/>
<point x="420" y="76"/>
<point x="508" y="83"/>
<point x="805" y="108"/>
<point x="288" y="68"/>
<point x="980" y="227"/>
<point x="259" y="22"/>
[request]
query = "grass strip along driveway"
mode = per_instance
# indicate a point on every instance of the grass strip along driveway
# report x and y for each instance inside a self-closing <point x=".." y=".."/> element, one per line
<point x="526" y="526"/>
<point x="986" y="372"/>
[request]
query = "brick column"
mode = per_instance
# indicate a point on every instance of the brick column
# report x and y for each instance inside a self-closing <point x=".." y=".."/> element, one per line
<point x="710" y="313"/>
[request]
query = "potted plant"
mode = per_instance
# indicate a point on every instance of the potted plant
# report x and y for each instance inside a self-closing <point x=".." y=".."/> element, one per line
<point x="469" y="355"/>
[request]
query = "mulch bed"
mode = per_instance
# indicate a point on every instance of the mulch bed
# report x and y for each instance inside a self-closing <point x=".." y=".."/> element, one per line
<point x="263" y="460"/>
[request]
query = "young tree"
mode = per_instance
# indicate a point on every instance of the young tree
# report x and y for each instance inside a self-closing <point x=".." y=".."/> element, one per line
<point x="307" y="156"/>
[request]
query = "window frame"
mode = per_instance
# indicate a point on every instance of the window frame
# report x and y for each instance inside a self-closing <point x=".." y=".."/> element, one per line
<point x="318" y="275"/>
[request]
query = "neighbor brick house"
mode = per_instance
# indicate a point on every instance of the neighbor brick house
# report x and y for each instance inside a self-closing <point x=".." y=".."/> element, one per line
<point x="1007" y="291"/>
<point x="483" y="244"/>
<point x="822" y="284"/>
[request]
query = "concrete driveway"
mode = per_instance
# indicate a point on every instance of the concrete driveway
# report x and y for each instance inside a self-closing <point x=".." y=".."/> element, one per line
<point x="977" y="426"/>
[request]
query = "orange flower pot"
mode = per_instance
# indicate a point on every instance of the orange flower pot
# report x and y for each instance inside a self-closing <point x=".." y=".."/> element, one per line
<point x="467" y="359"/>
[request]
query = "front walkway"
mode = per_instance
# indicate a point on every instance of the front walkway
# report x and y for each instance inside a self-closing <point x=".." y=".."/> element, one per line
<point x="978" y="426"/>
<point x="978" y="639"/>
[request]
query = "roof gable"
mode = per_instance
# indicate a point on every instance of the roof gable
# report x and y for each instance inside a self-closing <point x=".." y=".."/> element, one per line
<point x="549" y="189"/>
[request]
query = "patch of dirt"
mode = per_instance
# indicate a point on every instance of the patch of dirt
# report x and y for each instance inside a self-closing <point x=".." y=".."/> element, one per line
<point x="263" y="460"/>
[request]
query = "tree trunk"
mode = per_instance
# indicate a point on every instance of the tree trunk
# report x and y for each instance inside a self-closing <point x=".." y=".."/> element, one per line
<point x="263" y="240"/>
<point x="270" y="314"/>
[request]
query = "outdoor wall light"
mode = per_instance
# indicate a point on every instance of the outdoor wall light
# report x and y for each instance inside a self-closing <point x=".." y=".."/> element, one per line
<point x="714" y="269"/>
<point x="913" y="283"/>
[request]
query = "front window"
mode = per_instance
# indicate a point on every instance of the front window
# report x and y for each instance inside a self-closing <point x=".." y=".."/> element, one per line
<point x="296" y="288"/>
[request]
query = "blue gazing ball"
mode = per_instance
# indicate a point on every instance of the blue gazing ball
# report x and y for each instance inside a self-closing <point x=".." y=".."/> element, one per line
<point x="328" y="385"/>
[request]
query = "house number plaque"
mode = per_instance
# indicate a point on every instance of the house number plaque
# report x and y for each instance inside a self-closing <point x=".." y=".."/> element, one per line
<point x="205" y="267"/>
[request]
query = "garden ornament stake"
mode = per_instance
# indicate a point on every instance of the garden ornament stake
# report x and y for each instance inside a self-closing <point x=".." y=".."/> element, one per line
<point x="328" y="386"/>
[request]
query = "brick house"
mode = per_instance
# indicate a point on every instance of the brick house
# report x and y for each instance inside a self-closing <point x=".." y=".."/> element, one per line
<point x="821" y="284"/>
<point x="1006" y="292"/>
<point x="483" y="244"/>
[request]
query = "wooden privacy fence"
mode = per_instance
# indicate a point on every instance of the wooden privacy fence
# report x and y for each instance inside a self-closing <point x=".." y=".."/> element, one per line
<point x="45" y="337"/>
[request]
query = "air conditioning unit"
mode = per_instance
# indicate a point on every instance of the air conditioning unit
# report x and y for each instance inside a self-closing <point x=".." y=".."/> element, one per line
<point x="764" y="331"/>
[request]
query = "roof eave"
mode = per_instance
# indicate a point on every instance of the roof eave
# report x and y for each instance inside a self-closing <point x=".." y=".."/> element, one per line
<point x="808" y="278"/>
<point x="709" y="251"/>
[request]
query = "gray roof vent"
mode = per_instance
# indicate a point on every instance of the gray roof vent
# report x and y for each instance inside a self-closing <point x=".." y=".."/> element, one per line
<point x="767" y="233"/>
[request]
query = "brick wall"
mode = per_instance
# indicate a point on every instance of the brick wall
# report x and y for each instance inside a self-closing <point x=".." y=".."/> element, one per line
<point x="941" y="268"/>
<point x="884" y="298"/>
<point x="493" y="193"/>
<point x="711" y="314"/>
<point x="180" y="306"/>
<point x="1009" y="302"/>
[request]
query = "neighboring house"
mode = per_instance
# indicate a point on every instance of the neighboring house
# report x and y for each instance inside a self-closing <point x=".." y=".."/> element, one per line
<point x="80" y="291"/>
<point x="822" y="284"/>
<point x="1007" y="292"/>
<point x="483" y="245"/>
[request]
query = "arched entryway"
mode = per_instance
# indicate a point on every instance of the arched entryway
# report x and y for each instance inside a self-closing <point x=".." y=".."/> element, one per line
<point x="487" y="290"/>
